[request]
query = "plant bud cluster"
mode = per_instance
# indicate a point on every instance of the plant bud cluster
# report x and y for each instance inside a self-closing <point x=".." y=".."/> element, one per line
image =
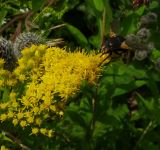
<point x="140" y="42"/>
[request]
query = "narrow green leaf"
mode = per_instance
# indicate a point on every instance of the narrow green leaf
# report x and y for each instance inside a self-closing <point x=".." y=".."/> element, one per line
<point x="108" y="12"/>
<point x="148" y="104"/>
<point x="140" y="10"/>
<point x="99" y="4"/>
<point x="76" y="118"/>
<point x="81" y="39"/>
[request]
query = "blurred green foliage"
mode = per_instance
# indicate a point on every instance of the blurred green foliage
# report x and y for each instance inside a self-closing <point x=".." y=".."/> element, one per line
<point x="122" y="110"/>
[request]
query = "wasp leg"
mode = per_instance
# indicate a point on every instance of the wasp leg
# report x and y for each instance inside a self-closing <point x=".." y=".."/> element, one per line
<point x="109" y="55"/>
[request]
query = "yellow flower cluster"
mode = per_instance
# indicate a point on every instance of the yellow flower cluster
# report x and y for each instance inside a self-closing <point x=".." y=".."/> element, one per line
<point x="45" y="78"/>
<point x="3" y="148"/>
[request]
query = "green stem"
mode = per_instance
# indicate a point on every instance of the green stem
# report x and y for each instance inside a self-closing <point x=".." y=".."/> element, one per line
<point x="143" y="134"/>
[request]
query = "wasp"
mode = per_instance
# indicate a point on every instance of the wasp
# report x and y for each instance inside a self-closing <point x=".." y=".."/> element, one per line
<point x="114" y="46"/>
<point x="137" y="3"/>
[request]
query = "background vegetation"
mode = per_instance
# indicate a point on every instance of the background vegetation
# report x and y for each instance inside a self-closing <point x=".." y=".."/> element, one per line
<point x="122" y="109"/>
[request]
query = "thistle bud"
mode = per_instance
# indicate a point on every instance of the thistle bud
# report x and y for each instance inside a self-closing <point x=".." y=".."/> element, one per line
<point x="141" y="54"/>
<point x="144" y="34"/>
<point x="6" y="53"/>
<point x="148" y="19"/>
<point x="24" y="40"/>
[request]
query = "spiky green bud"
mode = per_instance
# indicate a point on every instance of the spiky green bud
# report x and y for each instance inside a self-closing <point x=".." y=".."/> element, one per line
<point x="6" y="53"/>
<point x="24" y="40"/>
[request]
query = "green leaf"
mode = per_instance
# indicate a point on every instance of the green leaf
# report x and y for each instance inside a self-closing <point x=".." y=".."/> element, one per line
<point x="99" y="4"/>
<point x="81" y="39"/>
<point x="155" y="55"/>
<point x="125" y="88"/>
<point x="154" y="4"/>
<point x="149" y="104"/>
<point x="77" y="119"/>
<point x="130" y="24"/>
<point x="2" y="15"/>
<point x="37" y="4"/>
<point x="5" y="138"/>
<point x="95" y="40"/>
<point x="108" y="12"/>
<point x="119" y="112"/>
<point x="140" y="10"/>
<point x="100" y="129"/>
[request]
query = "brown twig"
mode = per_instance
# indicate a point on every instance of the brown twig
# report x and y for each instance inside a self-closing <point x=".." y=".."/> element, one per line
<point x="18" y="17"/>
<point x="28" y="23"/>
<point x="57" y="26"/>
<point x="17" y="32"/>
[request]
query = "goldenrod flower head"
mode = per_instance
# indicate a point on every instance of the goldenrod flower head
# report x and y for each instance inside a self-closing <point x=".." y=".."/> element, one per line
<point x="61" y="113"/>
<point x="3" y="117"/>
<point x="23" y="123"/>
<point x="30" y="119"/>
<point x="35" y="130"/>
<point x="10" y="114"/>
<point x="15" y="121"/>
<point x="3" y="105"/>
<point x="12" y="95"/>
<point x="43" y="131"/>
<point x="14" y="104"/>
<point x="20" y="115"/>
<point x="38" y="121"/>
<point x="50" y="133"/>
<point x="22" y="77"/>
<point x="11" y="82"/>
<point x="2" y="83"/>
<point x="46" y="78"/>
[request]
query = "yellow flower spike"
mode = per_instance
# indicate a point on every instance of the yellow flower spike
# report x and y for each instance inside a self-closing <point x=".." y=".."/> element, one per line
<point x="31" y="63"/>
<point x="43" y="131"/>
<point x="50" y="133"/>
<point x="23" y="123"/>
<point x="61" y="113"/>
<point x="14" y="104"/>
<point x="37" y="53"/>
<point x="30" y="119"/>
<point x="17" y="71"/>
<point x="35" y="131"/>
<point x="3" y="117"/>
<point x="3" y="105"/>
<point x="53" y="107"/>
<point x="22" y="77"/>
<point x="36" y="110"/>
<point x="10" y="114"/>
<point x="38" y="121"/>
<point x="25" y="102"/>
<point x="12" y="95"/>
<point x="11" y="82"/>
<point x="15" y="121"/>
<point x="20" y="115"/>
<point x="2" y="83"/>
<point x="52" y="75"/>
